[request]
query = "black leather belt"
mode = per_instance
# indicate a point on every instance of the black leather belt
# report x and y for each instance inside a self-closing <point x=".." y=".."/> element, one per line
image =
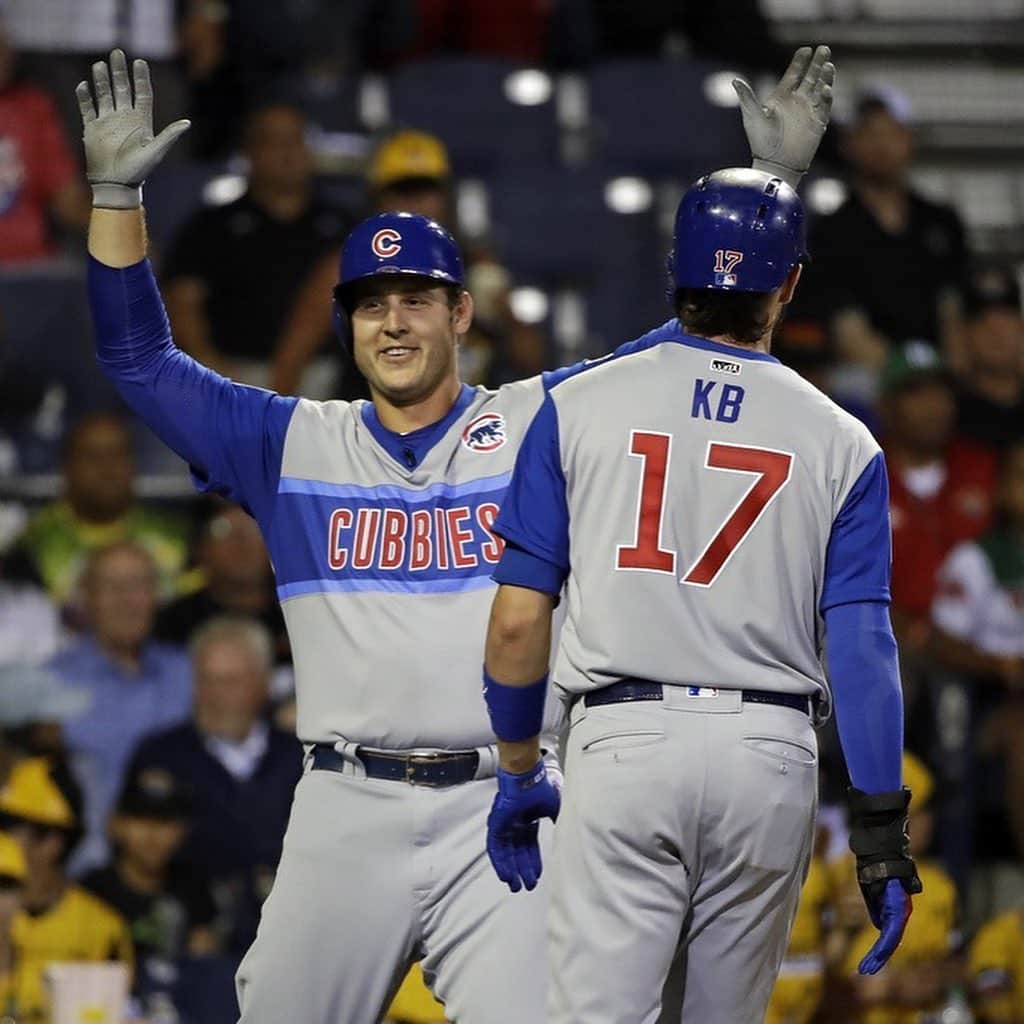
<point x="441" y="768"/>
<point x="627" y="690"/>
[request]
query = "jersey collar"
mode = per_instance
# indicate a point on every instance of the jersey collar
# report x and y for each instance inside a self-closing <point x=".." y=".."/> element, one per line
<point x="735" y="351"/>
<point x="409" y="450"/>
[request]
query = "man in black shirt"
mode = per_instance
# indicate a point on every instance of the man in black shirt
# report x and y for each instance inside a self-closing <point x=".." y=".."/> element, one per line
<point x="888" y="265"/>
<point x="991" y="389"/>
<point x="169" y="908"/>
<point x="232" y="274"/>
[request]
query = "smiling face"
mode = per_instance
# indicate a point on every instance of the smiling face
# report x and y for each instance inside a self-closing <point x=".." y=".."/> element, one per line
<point x="405" y="332"/>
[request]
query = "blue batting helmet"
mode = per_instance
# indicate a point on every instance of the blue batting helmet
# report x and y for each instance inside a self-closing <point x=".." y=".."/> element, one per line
<point x="399" y="243"/>
<point x="738" y="230"/>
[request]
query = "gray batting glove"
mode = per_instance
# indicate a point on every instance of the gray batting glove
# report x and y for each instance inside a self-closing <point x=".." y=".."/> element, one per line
<point x="785" y="130"/>
<point x="119" y="146"/>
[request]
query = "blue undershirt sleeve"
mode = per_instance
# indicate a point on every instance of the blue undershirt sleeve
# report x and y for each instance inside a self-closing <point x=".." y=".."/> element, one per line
<point x="231" y="435"/>
<point x="861" y="652"/>
<point x="864" y="675"/>
<point x="534" y="517"/>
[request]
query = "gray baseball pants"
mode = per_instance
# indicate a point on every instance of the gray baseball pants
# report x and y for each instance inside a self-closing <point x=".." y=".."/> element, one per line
<point x="681" y="848"/>
<point x="376" y="874"/>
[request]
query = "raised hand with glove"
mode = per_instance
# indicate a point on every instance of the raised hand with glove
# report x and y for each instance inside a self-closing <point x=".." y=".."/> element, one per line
<point x="120" y="149"/>
<point x="784" y="131"/>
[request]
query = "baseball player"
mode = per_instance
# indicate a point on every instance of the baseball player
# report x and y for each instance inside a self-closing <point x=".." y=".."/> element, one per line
<point x="379" y="520"/>
<point x="712" y="517"/>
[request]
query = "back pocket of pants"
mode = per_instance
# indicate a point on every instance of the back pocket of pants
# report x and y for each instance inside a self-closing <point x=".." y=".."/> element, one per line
<point x="623" y="741"/>
<point x="782" y="749"/>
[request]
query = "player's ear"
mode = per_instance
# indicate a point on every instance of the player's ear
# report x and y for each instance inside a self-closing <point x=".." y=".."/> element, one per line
<point x="462" y="313"/>
<point x="789" y="285"/>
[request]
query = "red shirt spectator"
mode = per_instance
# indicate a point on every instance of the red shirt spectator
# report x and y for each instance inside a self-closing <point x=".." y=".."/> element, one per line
<point x="925" y="529"/>
<point x="941" y="488"/>
<point x="36" y="165"/>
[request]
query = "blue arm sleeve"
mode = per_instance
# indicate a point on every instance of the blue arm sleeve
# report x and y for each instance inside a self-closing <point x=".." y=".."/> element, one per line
<point x="865" y="678"/>
<point x="858" y="562"/>
<point x="534" y="517"/>
<point x="231" y="435"/>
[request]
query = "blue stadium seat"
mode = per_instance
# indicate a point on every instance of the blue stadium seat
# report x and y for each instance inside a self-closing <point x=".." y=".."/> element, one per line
<point x="555" y="230"/>
<point x="619" y="309"/>
<point x="555" y="227"/>
<point x="463" y="100"/>
<point x="654" y="117"/>
<point x="330" y="101"/>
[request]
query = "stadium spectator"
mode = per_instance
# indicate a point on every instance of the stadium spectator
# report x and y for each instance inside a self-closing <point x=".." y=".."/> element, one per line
<point x="238" y="580"/>
<point x="991" y="392"/>
<point x="889" y="264"/>
<point x="240" y="770"/>
<point x="410" y="171"/>
<point x="135" y="684"/>
<point x="167" y="905"/>
<point x="978" y="616"/>
<point x="12" y="881"/>
<point x="59" y="921"/>
<point x="39" y="178"/>
<point x="940" y="486"/>
<point x="98" y="508"/>
<point x="29" y="622"/>
<point x="996" y="969"/>
<point x="232" y="273"/>
<point x="916" y="978"/>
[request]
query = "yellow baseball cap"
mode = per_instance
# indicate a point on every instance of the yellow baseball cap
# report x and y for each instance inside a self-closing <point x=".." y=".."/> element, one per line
<point x="31" y="794"/>
<point x="409" y="154"/>
<point x="12" y="859"/>
<point x="919" y="779"/>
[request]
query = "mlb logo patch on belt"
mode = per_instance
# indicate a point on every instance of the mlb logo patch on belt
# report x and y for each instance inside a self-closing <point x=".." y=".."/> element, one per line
<point x="702" y="691"/>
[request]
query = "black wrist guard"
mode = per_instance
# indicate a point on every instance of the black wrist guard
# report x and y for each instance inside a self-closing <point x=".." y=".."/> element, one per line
<point x="879" y="838"/>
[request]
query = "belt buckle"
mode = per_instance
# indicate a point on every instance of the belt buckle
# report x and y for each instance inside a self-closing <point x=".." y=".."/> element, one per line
<point x="412" y="760"/>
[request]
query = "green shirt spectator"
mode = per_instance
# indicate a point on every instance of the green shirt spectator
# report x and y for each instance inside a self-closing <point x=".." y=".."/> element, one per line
<point x="99" y="508"/>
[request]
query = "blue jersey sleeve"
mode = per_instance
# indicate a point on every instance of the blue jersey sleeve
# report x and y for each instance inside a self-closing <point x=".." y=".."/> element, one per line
<point x="231" y="435"/>
<point x="858" y="561"/>
<point x="534" y="516"/>
<point x="863" y="671"/>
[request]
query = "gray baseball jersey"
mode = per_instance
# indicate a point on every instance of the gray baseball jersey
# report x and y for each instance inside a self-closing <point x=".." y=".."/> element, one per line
<point x="704" y="506"/>
<point x="384" y="569"/>
<point x="693" y="488"/>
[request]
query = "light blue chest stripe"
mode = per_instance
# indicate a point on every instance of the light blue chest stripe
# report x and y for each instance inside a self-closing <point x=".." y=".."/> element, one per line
<point x="408" y="495"/>
<point x="442" y="586"/>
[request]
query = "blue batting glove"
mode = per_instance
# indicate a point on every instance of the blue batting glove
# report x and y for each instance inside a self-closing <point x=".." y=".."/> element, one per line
<point x="522" y="800"/>
<point x="890" y="915"/>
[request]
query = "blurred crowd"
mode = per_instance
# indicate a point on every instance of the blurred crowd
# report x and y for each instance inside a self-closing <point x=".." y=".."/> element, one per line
<point x="147" y="751"/>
